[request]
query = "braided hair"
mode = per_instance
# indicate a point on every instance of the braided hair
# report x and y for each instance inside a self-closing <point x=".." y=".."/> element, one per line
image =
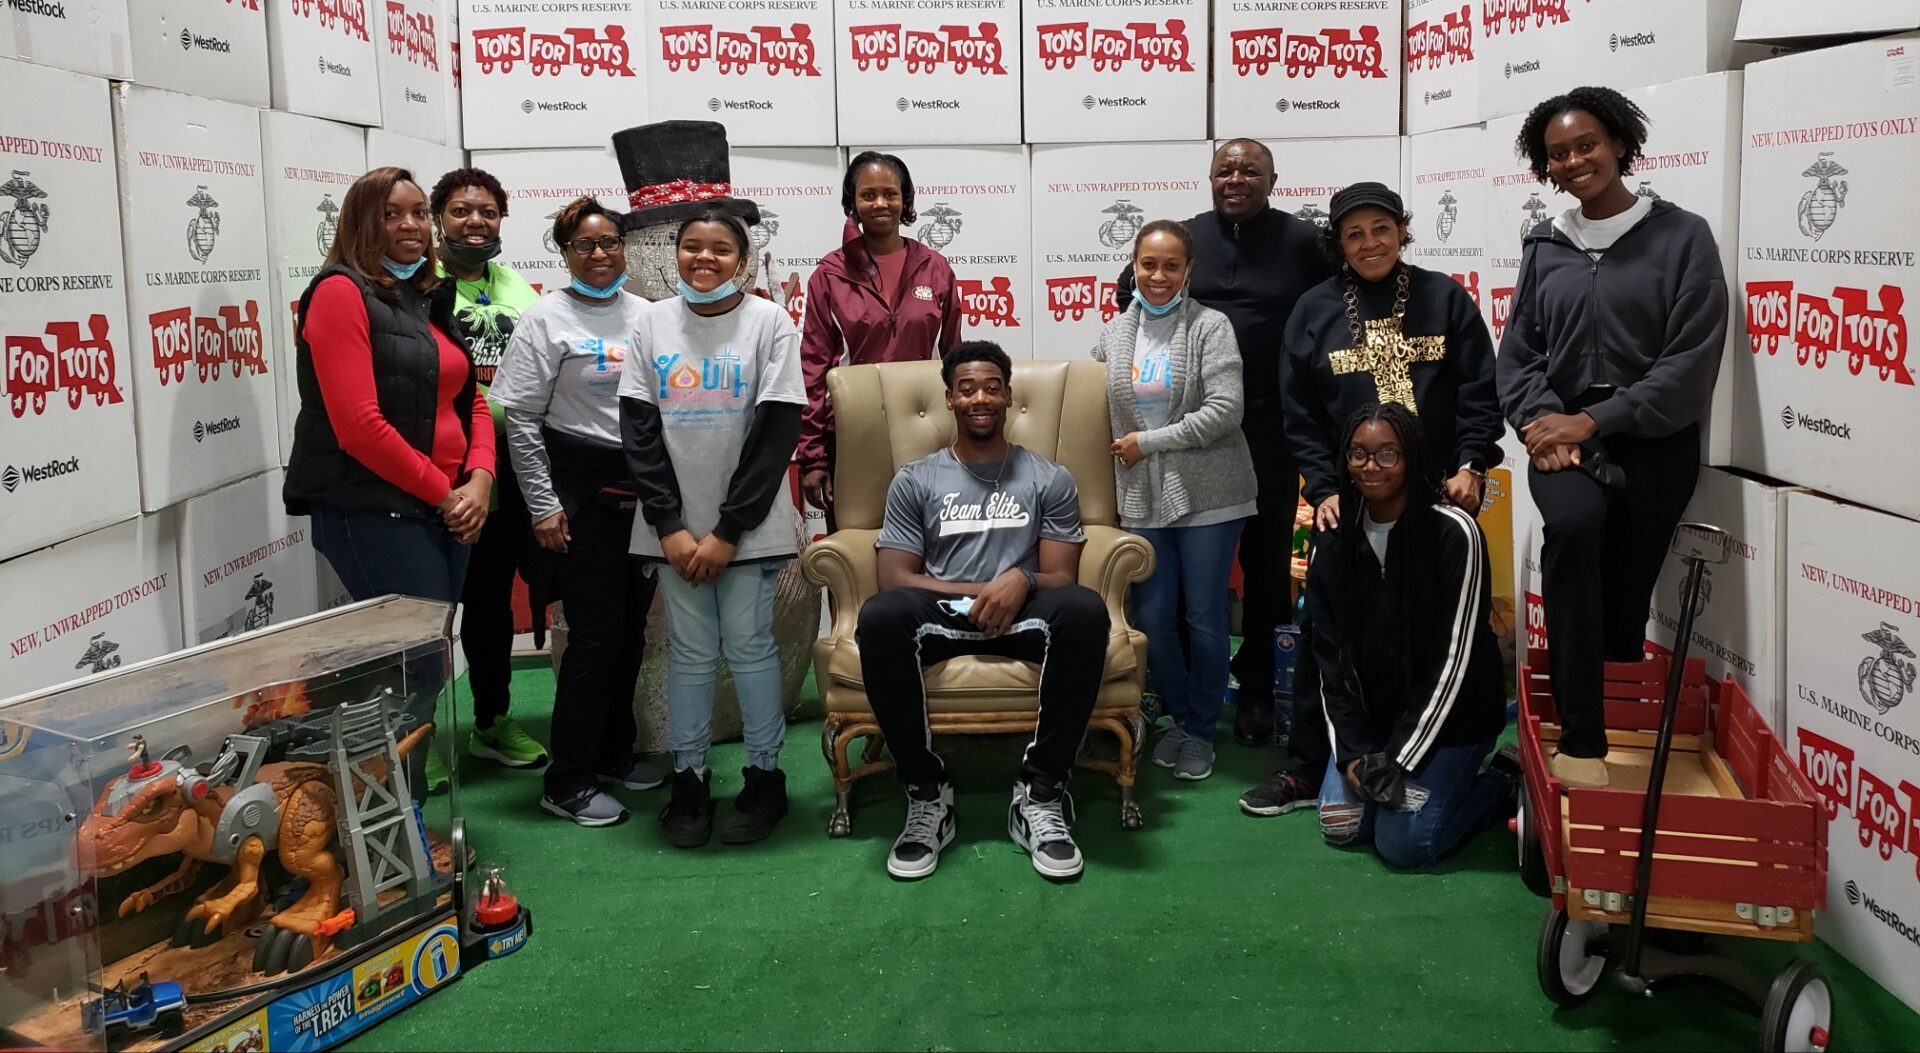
<point x="1622" y="117"/>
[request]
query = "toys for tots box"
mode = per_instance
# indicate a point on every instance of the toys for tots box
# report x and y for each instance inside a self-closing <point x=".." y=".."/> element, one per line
<point x="539" y="183"/>
<point x="1114" y="70"/>
<point x="413" y="82"/>
<point x="323" y="59"/>
<point x="928" y="71"/>
<point x="1516" y="203"/>
<point x="1088" y="204"/>
<point x="244" y="563"/>
<point x="1311" y="171"/>
<point x="1442" y="76"/>
<point x="1527" y="537"/>
<point x="1852" y="593"/>
<point x="1827" y="262"/>
<point x="556" y="73"/>
<point x="67" y="461"/>
<point x="428" y="161"/>
<point x="1447" y="195"/>
<point x="1793" y="19"/>
<point x="975" y="208"/>
<point x="94" y="603"/>
<point x="763" y="67"/>
<point x="194" y="216"/>
<point x="1293" y="69"/>
<point x="309" y="165"/>
<point x="1635" y="43"/>
<point x="1736" y="627"/>
<point x="216" y="49"/>
<point x="1529" y="50"/>
<point x="798" y="191"/>
<point x="85" y="36"/>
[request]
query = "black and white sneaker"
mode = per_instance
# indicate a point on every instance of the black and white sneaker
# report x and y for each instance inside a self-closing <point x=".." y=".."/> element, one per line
<point x="1283" y="792"/>
<point x="588" y="807"/>
<point x="916" y="852"/>
<point x="1038" y="820"/>
<point x="637" y="775"/>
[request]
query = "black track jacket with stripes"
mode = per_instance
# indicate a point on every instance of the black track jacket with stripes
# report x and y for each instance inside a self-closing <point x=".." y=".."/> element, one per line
<point x="1407" y="663"/>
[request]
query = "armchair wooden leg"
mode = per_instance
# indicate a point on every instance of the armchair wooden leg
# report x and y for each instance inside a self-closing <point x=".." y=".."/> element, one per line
<point x="834" y="745"/>
<point x="1124" y="767"/>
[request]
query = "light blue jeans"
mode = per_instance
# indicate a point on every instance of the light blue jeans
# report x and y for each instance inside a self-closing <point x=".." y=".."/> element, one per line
<point x="732" y="616"/>
<point x="1462" y="799"/>
<point x="1195" y="563"/>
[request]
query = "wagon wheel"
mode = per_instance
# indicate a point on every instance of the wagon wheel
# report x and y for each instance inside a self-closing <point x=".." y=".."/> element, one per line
<point x="1533" y="860"/>
<point x="1798" y="1017"/>
<point x="1569" y="972"/>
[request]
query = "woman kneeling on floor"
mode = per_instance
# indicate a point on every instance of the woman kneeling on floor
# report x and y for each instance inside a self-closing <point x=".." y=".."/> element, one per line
<point x="1412" y="680"/>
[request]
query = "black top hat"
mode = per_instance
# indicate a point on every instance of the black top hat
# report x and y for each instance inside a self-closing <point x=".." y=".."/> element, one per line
<point x="675" y="170"/>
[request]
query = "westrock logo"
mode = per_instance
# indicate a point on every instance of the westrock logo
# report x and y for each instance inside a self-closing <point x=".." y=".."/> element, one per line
<point x="1632" y="40"/>
<point x="1827" y="426"/>
<point x="1821" y="205"/>
<point x="38" y="7"/>
<point x="1448" y="215"/>
<point x="22" y="226"/>
<point x="204" y="227"/>
<point x="943" y="224"/>
<point x="190" y="40"/>
<point x="323" y="235"/>
<point x="1881" y="914"/>
<point x="15" y="477"/>
<point x="1886" y="678"/>
<point x="1119" y="231"/>
<point x="1113" y="100"/>
<point x="1532" y="66"/>
<point x="203" y="429"/>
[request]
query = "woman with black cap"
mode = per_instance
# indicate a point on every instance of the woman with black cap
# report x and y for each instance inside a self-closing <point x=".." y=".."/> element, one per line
<point x="1381" y="330"/>
<point x="1606" y="367"/>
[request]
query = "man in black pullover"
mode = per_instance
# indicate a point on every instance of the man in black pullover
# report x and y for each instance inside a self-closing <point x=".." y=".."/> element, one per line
<point x="1251" y="262"/>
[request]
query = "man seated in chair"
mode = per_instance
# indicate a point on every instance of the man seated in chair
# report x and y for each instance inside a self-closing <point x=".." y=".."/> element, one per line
<point x="979" y="555"/>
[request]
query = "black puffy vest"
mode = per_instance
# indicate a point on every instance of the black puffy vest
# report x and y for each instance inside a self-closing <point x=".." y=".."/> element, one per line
<point x="406" y="378"/>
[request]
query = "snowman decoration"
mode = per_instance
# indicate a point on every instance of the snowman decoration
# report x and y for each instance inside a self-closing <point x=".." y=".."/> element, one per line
<point x="203" y="227"/>
<point x="22" y="225"/>
<point x="674" y="171"/>
<point x="329" y="227"/>
<point x="943" y="223"/>
<point x="1820" y="206"/>
<point x="1886" y="678"/>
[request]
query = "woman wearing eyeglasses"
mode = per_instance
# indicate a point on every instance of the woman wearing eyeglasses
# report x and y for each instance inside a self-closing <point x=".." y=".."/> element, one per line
<point x="559" y="383"/>
<point x="1410" y="672"/>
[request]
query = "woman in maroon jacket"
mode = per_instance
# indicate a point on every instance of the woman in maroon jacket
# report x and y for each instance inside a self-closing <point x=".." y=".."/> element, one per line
<point x="881" y="297"/>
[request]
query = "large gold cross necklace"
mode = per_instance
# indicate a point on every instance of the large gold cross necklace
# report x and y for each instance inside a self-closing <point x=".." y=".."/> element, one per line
<point x="1382" y="348"/>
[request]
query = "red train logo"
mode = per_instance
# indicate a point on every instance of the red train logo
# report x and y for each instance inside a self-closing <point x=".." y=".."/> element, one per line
<point x="587" y="49"/>
<point x="1074" y="297"/>
<point x="411" y="36"/>
<point x="788" y="50"/>
<point x="348" y="16"/>
<point x="960" y="48"/>
<point x="1063" y="44"/>
<point x="1445" y="40"/>
<point x="988" y="303"/>
<point x="1513" y="16"/>
<point x="1867" y="335"/>
<point x="233" y="339"/>
<point x="82" y="367"/>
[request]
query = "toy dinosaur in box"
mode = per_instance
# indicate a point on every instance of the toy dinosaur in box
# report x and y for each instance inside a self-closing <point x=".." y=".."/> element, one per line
<point x="234" y="814"/>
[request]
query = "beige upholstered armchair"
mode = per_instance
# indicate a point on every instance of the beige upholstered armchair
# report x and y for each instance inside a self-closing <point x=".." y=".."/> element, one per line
<point x="887" y="416"/>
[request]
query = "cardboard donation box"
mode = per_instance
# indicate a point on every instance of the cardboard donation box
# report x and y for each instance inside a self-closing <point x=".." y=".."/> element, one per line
<point x="193" y="210"/>
<point x="1115" y="70"/>
<point x="1447" y="195"/>
<point x="310" y="163"/>
<point x="414" y="80"/>
<point x="975" y="208"/>
<point x="244" y="563"/>
<point x="85" y="36"/>
<point x="1317" y="70"/>
<point x="428" y="161"/>
<point x="1528" y="51"/>
<point x="1089" y="202"/>
<point x="1517" y="202"/>
<point x="323" y="58"/>
<point x="764" y="68"/>
<point x="1779" y="20"/>
<point x="67" y="461"/>
<point x="559" y="73"/>
<point x="798" y="191"/>
<point x="931" y="71"/>
<point x="97" y="602"/>
<point x="1443" y="74"/>
<point x="1311" y="171"/>
<point x="211" y="48"/>
<point x="1827" y="261"/>
<point x="539" y="183"/>
<point x="1852" y="583"/>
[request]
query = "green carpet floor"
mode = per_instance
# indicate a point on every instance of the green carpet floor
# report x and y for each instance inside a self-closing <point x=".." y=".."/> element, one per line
<point x="1206" y="930"/>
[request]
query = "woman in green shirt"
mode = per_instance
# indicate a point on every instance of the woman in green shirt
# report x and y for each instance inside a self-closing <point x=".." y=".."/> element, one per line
<point x="468" y="205"/>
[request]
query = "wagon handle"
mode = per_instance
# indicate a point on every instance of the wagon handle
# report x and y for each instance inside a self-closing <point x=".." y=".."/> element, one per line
<point x="1698" y="545"/>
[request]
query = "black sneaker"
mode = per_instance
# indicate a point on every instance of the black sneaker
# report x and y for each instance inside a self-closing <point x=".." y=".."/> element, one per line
<point x="916" y="852"/>
<point x="588" y="807"/>
<point x="688" y="817"/>
<point x="761" y="805"/>
<point x="1040" y="820"/>
<point x="1283" y="792"/>
<point x="1253" y="721"/>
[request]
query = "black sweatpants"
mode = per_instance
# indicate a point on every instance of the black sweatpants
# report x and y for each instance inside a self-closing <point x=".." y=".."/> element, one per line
<point x="1599" y="563"/>
<point x="605" y="593"/>
<point x="904" y="630"/>
<point x="486" y="626"/>
<point x="1266" y="554"/>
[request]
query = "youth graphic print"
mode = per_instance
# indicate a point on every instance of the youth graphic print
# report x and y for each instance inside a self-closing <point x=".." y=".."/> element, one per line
<point x="705" y="392"/>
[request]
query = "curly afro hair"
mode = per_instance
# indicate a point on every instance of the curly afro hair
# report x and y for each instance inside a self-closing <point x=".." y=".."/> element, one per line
<point x="461" y="178"/>
<point x="1622" y="117"/>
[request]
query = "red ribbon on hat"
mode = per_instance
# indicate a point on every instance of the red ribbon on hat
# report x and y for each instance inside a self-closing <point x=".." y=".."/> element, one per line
<point x="677" y="191"/>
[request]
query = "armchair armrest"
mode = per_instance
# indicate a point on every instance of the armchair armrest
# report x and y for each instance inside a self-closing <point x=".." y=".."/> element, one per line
<point x="1111" y="560"/>
<point x="846" y="564"/>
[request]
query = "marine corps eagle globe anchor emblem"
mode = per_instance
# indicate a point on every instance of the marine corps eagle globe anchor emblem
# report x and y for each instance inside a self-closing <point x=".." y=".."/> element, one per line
<point x="1886" y="678"/>
<point x="22" y="225"/>
<point x="204" y="227"/>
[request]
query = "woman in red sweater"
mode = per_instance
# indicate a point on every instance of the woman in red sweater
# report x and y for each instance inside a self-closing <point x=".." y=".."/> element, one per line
<point x="880" y="297"/>
<point x="393" y="446"/>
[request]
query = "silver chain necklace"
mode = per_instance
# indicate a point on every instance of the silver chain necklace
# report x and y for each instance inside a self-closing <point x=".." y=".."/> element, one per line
<point x="1353" y="304"/>
<point x="954" y="448"/>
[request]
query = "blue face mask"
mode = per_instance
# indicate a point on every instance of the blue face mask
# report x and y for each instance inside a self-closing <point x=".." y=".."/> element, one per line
<point x="599" y="294"/>
<point x="719" y="293"/>
<point x="403" y="271"/>
<point x="1164" y="309"/>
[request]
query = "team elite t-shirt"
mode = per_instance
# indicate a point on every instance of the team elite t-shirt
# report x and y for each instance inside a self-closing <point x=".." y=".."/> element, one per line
<point x="964" y="530"/>
<point x="707" y="375"/>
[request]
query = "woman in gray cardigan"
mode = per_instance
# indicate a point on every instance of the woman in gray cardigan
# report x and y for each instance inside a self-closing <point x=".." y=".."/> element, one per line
<point x="1184" y="481"/>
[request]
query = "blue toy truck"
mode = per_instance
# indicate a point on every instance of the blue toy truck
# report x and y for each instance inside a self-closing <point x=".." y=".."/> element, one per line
<point x="149" y="1006"/>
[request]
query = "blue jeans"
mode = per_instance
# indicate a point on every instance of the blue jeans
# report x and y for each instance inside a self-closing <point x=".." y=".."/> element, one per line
<point x="732" y="616"/>
<point x="1461" y="800"/>
<point x="1194" y="563"/>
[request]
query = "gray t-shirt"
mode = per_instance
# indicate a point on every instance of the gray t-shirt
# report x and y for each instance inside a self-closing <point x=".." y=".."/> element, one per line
<point x="950" y="515"/>
<point x="707" y="375"/>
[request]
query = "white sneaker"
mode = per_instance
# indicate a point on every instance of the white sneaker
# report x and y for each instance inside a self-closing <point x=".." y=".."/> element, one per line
<point x="916" y="852"/>
<point x="1042" y="828"/>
